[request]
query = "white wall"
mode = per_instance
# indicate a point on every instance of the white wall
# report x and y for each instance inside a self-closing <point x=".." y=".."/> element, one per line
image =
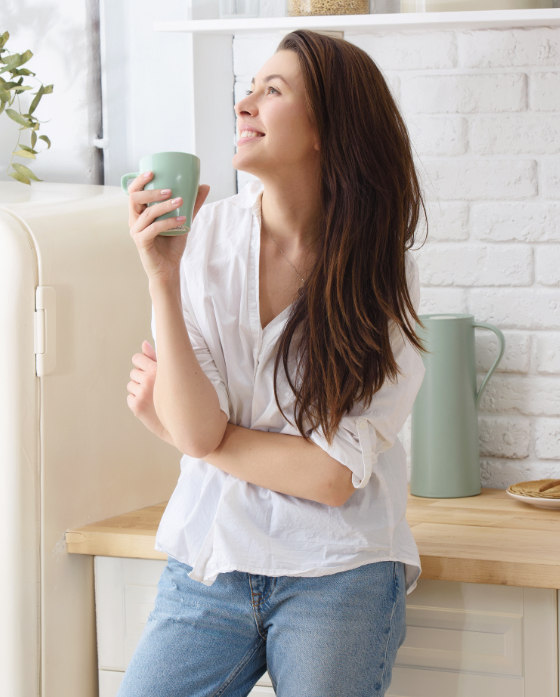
<point x="145" y="83"/>
<point x="483" y="109"/>
<point x="62" y="35"/>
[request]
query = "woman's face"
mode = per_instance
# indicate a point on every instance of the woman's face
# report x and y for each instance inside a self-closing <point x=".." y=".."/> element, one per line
<point x="282" y="140"/>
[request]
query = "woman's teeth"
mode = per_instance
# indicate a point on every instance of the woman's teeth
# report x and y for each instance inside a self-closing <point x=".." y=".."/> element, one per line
<point x="251" y="134"/>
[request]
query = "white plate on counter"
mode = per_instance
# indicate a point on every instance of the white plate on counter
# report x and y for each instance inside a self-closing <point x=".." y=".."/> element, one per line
<point x="541" y="503"/>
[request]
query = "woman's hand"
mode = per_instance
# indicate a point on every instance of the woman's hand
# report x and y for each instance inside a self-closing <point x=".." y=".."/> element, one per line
<point x="160" y="255"/>
<point x="141" y="388"/>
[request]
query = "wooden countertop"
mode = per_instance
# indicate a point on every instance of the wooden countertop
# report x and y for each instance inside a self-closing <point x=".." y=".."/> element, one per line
<point x="490" y="538"/>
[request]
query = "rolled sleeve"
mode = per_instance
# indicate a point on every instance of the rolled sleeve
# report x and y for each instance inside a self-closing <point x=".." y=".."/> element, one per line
<point x="203" y="355"/>
<point x="354" y="446"/>
<point x="363" y="434"/>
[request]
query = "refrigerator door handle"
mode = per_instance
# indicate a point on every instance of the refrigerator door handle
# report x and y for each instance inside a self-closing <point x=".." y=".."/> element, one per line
<point x="45" y="330"/>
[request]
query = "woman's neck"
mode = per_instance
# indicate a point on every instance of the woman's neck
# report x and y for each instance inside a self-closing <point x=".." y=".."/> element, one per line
<point x="290" y="210"/>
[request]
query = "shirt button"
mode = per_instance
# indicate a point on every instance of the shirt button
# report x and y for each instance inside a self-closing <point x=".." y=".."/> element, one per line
<point x="362" y="424"/>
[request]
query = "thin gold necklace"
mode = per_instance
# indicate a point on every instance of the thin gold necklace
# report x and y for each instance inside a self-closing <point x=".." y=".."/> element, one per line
<point x="300" y="289"/>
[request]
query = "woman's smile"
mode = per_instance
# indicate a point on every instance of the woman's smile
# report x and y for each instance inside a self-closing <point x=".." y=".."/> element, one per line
<point x="247" y="135"/>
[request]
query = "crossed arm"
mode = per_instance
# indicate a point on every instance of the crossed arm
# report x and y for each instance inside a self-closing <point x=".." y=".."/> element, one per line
<point x="175" y="399"/>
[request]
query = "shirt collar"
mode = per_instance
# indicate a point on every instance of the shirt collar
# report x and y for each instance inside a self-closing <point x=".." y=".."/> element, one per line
<point x="249" y="196"/>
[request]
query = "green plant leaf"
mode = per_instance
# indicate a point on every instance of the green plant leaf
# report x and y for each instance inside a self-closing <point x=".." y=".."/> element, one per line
<point x="13" y="58"/>
<point x="22" y="88"/>
<point x="18" y="118"/>
<point x="20" y="177"/>
<point x="36" y="99"/>
<point x="48" y="89"/>
<point x="23" y="71"/>
<point x="26" y="147"/>
<point x="27" y="56"/>
<point x="47" y="141"/>
<point x="17" y="59"/>
<point x="5" y="36"/>
<point x="11" y="62"/>
<point x="22" y="169"/>
<point x="4" y="96"/>
<point x="24" y="153"/>
<point x="33" y="138"/>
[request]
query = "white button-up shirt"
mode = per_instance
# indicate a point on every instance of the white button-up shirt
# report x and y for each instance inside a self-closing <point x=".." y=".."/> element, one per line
<point x="216" y="522"/>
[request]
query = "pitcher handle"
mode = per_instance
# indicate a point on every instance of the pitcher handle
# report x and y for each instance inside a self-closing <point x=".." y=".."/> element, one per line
<point x="502" y="340"/>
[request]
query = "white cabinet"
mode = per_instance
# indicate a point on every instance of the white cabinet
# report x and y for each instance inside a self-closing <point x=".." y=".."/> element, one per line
<point x="463" y="639"/>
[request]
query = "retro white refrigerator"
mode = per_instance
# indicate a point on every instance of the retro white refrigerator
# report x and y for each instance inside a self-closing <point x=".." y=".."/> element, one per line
<point x="74" y="308"/>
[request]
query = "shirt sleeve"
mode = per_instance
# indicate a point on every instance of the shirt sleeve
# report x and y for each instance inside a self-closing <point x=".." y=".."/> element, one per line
<point x="201" y="351"/>
<point x="365" y="433"/>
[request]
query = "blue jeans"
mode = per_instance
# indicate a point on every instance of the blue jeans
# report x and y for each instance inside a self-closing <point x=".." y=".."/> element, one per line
<point x="324" y="636"/>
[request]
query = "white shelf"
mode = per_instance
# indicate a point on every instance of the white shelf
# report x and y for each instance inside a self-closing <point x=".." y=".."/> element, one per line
<point x="488" y="19"/>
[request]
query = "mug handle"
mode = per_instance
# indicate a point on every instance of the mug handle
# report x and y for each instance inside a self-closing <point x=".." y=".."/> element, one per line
<point x="125" y="178"/>
<point x="502" y="340"/>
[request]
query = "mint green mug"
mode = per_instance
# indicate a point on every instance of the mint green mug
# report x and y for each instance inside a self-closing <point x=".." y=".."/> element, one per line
<point x="178" y="171"/>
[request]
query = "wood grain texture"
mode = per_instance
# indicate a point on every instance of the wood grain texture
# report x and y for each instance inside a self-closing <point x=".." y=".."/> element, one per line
<point x="490" y="538"/>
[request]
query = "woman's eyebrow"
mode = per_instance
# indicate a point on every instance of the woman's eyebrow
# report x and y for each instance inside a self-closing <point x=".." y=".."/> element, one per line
<point x="272" y="77"/>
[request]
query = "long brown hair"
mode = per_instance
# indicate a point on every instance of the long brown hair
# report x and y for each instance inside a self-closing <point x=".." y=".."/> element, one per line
<point x="370" y="203"/>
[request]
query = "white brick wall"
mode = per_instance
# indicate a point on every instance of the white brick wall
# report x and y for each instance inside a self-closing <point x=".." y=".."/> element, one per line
<point x="483" y="111"/>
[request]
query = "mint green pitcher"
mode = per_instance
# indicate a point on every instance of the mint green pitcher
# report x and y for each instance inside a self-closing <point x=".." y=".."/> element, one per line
<point x="445" y="460"/>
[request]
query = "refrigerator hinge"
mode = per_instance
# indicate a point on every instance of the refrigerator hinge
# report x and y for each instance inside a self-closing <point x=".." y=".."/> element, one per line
<point x="45" y="330"/>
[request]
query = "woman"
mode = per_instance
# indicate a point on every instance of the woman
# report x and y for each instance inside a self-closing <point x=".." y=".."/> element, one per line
<point x="288" y="547"/>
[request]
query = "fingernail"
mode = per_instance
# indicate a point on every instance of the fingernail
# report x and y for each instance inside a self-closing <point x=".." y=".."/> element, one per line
<point x="176" y="200"/>
<point x="146" y="174"/>
<point x="180" y="218"/>
<point x="165" y="192"/>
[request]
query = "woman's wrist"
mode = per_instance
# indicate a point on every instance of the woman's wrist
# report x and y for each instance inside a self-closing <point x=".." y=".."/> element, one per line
<point x="163" y="289"/>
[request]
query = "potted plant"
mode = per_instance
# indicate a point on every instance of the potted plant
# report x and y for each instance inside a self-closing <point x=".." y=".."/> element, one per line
<point x="9" y="90"/>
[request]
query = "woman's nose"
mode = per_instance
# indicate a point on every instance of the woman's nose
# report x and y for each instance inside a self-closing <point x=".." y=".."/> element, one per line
<point x="244" y="107"/>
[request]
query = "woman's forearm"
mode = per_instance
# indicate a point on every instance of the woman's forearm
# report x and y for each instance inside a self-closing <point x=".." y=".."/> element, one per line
<point x="283" y="463"/>
<point x="184" y="398"/>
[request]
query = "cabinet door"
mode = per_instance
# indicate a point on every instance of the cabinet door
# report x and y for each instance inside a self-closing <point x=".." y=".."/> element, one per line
<point x="472" y="638"/>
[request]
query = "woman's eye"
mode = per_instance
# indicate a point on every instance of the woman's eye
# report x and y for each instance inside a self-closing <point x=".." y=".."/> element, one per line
<point x="248" y="92"/>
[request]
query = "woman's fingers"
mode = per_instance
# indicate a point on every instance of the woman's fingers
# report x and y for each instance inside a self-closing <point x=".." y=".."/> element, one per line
<point x="143" y="362"/>
<point x="139" y="182"/>
<point x="150" y="213"/>
<point x="149" y="351"/>
<point x="144" y="237"/>
<point x="142" y="198"/>
<point x="142" y="376"/>
<point x="135" y="405"/>
<point x="137" y="200"/>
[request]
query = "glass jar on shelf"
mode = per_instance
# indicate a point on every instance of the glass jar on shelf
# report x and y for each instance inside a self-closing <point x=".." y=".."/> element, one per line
<point x="300" y="8"/>
<point x="238" y="9"/>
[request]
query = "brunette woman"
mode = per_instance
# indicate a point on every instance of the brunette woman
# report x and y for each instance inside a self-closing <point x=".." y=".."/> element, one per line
<point x="287" y="363"/>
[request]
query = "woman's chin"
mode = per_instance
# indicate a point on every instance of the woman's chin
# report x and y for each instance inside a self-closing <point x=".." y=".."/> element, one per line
<point x="242" y="165"/>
